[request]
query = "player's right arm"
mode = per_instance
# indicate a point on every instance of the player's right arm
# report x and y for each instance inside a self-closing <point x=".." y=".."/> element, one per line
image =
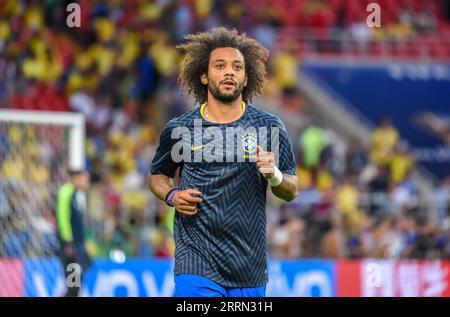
<point x="162" y="171"/>
<point x="185" y="201"/>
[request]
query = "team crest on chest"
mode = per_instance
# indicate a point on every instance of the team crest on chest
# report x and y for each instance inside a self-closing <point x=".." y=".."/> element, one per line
<point x="249" y="143"/>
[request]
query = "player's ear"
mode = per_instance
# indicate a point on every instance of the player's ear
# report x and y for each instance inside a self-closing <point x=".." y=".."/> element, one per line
<point x="204" y="79"/>
<point x="245" y="80"/>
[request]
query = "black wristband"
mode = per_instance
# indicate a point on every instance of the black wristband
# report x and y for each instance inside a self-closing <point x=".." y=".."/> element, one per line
<point x="169" y="202"/>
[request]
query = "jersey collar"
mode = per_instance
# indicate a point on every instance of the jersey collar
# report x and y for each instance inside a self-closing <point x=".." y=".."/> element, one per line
<point x="203" y="106"/>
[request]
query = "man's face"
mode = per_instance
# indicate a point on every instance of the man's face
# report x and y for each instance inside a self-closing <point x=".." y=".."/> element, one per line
<point x="226" y="76"/>
<point x="81" y="180"/>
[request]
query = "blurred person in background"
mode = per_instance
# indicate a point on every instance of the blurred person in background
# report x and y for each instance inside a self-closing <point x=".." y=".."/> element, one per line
<point x="384" y="140"/>
<point x="401" y="163"/>
<point x="71" y="208"/>
<point x="435" y="125"/>
<point x="312" y="142"/>
<point x="347" y="202"/>
<point x="334" y="242"/>
<point x="425" y="246"/>
<point x="443" y="200"/>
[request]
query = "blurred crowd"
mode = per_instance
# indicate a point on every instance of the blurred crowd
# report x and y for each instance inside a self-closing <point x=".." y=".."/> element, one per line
<point x="119" y="69"/>
<point x="361" y="201"/>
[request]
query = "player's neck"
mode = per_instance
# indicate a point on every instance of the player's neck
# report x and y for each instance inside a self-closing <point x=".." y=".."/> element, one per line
<point x="220" y="112"/>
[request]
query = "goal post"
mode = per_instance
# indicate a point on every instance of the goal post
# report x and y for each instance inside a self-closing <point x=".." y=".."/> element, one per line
<point x="74" y="121"/>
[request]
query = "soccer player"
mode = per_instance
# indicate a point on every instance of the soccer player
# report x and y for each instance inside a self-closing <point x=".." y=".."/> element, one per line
<point x="220" y="222"/>
<point x="70" y="212"/>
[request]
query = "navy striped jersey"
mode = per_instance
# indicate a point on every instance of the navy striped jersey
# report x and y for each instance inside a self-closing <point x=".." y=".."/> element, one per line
<point x="226" y="240"/>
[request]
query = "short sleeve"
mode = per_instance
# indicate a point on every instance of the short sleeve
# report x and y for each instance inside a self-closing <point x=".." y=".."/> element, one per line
<point x="162" y="162"/>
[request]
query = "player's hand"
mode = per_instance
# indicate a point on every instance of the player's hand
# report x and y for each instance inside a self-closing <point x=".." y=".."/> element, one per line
<point x="186" y="201"/>
<point x="265" y="161"/>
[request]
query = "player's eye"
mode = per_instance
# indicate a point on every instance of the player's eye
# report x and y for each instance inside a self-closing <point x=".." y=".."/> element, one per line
<point x="220" y="66"/>
<point x="238" y="67"/>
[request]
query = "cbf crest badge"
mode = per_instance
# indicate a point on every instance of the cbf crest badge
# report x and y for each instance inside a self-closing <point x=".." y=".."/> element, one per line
<point x="249" y="143"/>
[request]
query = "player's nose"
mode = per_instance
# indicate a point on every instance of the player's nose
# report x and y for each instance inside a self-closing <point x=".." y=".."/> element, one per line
<point x="229" y="71"/>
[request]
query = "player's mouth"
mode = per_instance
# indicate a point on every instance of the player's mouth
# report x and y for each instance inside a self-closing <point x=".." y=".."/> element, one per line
<point x="228" y="83"/>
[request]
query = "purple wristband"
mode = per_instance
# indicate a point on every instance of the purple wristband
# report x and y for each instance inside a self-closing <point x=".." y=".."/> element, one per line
<point x="170" y="195"/>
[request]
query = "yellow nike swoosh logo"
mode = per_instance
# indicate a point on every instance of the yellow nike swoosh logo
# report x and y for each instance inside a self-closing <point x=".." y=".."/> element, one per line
<point x="195" y="148"/>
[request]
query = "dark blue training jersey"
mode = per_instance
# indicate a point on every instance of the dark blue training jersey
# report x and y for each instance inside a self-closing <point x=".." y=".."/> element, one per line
<point x="226" y="240"/>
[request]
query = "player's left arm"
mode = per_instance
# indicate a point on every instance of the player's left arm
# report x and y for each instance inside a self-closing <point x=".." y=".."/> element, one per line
<point x="287" y="190"/>
<point x="283" y="185"/>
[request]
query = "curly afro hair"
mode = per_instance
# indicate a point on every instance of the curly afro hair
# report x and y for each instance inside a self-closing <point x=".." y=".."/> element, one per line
<point x="197" y="51"/>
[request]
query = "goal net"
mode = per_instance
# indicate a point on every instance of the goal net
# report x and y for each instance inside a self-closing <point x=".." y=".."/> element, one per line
<point x="36" y="149"/>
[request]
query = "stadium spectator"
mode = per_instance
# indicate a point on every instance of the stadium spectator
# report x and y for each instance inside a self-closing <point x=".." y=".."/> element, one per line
<point x="425" y="21"/>
<point x="312" y="143"/>
<point x="443" y="200"/>
<point x="347" y="203"/>
<point x="401" y="163"/>
<point x="334" y="242"/>
<point x="285" y="65"/>
<point x="437" y="126"/>
<point x="384" y="140"/>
